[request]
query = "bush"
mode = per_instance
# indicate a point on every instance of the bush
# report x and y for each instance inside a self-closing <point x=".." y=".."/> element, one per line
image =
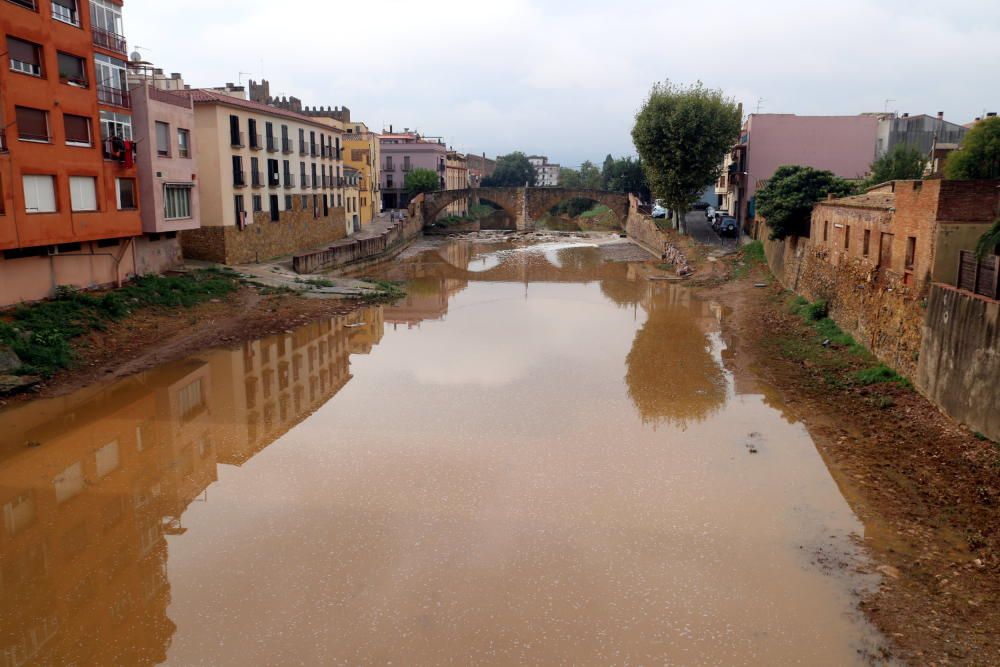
<point x="878" y="375"/>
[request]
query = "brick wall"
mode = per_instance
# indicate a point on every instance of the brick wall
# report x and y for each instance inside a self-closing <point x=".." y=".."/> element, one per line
<point x="296" y="230"/>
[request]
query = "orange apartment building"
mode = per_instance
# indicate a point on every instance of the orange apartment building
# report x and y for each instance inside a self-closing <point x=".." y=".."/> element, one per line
<point x="69" y="201"/>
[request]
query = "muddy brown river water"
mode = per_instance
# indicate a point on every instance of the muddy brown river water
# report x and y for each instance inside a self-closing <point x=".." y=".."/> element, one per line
<point x="536" y="457"/>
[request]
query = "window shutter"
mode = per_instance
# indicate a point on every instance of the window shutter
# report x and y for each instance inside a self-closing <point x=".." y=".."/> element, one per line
<point x="162" y="137"/>
<point x="68" y="4"/>
<point x="71" y="67"/>
<point x="83" y="193"/>
<point x="31" y="123"/>
<point x="77" y="129"/>
<point x="39" y="194"/>
<point x="24" y="51"/>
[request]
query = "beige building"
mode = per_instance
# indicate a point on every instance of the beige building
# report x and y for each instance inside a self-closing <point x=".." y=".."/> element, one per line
<point x="352" y="199"/>
<point x="362" y="151"/>
<point x="456" y="177"/>
<point x="271" y="180"/>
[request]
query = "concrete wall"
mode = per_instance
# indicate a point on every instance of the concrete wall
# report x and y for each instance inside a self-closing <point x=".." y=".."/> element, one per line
<point x="959" y="365"/>
<point x="157" y="255"/>
<point x="352" y="252"/>
<point x="36" y="278"/>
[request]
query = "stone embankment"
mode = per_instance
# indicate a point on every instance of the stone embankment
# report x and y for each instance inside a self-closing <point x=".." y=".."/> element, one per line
<point x="642" y="229"/>
<point x="361" y="250"/>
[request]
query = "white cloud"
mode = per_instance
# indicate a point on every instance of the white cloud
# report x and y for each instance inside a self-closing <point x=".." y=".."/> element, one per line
<point x="565" y="78"/>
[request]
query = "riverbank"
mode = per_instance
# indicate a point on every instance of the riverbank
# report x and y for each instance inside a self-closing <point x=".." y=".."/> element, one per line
<point x="927" y="489"/>
<point x="149" y="336"/>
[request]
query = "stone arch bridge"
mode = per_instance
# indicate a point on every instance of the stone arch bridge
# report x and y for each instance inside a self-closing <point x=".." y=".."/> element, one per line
<point x="523" y="205"/>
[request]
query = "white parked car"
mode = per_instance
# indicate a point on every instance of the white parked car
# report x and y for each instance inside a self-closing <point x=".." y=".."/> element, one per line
<point x="660" y="212"/>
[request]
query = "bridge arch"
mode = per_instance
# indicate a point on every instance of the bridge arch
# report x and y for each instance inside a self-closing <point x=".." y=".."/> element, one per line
<point x="506" y="198"/>
<point x="542" y="200"/>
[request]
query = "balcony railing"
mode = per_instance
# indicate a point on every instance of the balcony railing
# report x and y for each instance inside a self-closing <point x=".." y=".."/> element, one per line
<point x="109" y="41"/>
<point x="271" y="144"/>
<point x="287" y="146"/>
<point x="304" y="180"/>
<point x="315" y="183"/>
<point x="257" y="179"/>
<point x="312" y="151"/>
<point x="239" y="179"/>
<point x="273" y="180"/>
<point x="303" y="148"/>
<point x="289" y="181"/>
<point x="236" y="139"/>
<point x="388" y="167"/>
<point x="114" y="96"/>
<point x="255" y="142"/>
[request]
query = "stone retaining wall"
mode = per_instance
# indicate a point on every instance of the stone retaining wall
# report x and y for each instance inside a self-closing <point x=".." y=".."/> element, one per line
<point x="352" y="251"/>
<point x="642" y="229"/>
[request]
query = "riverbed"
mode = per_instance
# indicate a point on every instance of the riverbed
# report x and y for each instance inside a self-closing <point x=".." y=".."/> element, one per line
<point x="538" y="456"/>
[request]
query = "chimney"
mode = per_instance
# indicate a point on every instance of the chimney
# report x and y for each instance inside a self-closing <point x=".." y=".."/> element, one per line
<point x="175" y="75"/>
<point x="940" y="115"/>
<point x="991" y="114"/>
<point x="906" y="115"/>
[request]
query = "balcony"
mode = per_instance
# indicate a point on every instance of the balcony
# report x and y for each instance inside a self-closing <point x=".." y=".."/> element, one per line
<point x="388" y="167"/>
<point x="287" y="146"/>
<point x="110" y="41"/>
<point x="272" y="146"/>
<point x="407" y="167"/>
<point x="236" y="139"/>
<point x="303" y="148"/>
<point x="255" y="142"/>
<point x="273" y="180"/>
<point x="315" y="183"/>
<point x="239" y="179"/>
<point x="115" y="97"/>
<point x="289" y="181"/>
<point x="312" y="151"/>
<point x="257" y="179"/>
<point x="304" y="180"/>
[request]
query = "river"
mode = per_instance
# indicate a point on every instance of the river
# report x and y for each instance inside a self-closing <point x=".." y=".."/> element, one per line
<point x="537" y="457"/>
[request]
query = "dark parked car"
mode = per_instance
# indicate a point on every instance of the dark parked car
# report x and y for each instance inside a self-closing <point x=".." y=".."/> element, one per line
<point x="726" y="225"/>
<point x="700" y="206"/>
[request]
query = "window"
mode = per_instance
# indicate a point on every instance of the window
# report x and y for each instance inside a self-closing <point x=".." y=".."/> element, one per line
<point x="273" y="177"/>
<point x="239" y="178"/>
<point x="83" y="193"/>
<point x="326" y="206"/>
<point x="28" y="4"/>
<point x="847" y="237"/>
<point x="240" y="211"/>
<point x="867" y="242"/>
<point x="315" y="207"/>
<point x="176" y="202"/>
<point x="911" y="251"/>
<point x="235" y="136"/>
<point x="269" y="136"/>
<point x="25" y="57"/>
<point x="106" y="459"/>
<point x="255" y="177"/>
<point x="77" y="130"/>
<point x="162" y="139"/>
<point x="183" y="143"/>
<point x="826" y="229"/>
<point x="388" y="181"/>
<point x="39" y="194"/>
<point x="190" y="399"/>
<point x="388" y="164"/>
<point x="312" y="144"/>
<point x="305" y="202"/>
<point x="252" y="129"/>
<point x="112" y="84"/>
<point x="287" y="167"/>
<point x="315" y="183"/>
<point x="274" y="208"/>
<point x="106" y="16"/>
<point x="66" y="11"/>
<point x="406" y="163"/>
<point x="116" y="125"/>
<point x="257" y="203"/>
<point x="288" y="202"/>
<point x="302" y="142"/>
<point x="72" y="70"/>
<point x="125" y="188"/>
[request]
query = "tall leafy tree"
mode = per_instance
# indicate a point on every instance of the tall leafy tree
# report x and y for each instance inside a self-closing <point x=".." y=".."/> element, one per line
<point x="978" y="156"/>
<point x="626" y="175"/>
<point x="901" y="163"/>
<point x="587" y="177"/>
<point x="421" y="180"/>
<point x="786" y="202"/>
<point x="682" y="133"/>
<point x="606" y="171"/>
<point x="512" y="170"/>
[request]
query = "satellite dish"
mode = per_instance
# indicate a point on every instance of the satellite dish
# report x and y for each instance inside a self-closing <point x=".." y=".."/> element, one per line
<point x="136" y="56"/>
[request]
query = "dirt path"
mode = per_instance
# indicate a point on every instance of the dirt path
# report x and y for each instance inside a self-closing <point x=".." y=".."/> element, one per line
<point x="927" y="490"/>
<point x="152" y="337"/>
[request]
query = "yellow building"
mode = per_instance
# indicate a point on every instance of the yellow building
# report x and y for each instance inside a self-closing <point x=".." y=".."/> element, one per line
<point x="362" y="152"/>
<point x="456" y="177"/>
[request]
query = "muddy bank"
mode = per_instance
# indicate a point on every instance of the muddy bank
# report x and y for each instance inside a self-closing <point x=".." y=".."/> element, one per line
<point x="926" y="488"/>
<point x="154" y="336"/>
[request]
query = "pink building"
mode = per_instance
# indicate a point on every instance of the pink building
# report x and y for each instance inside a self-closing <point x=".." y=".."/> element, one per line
<point x="402" y="152"/>
<point x="844" y="145"/>
<point x="163" y="123"/>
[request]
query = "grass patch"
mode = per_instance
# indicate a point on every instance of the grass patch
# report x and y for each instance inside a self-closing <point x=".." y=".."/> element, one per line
<point x="600" y="209"/>
<point x="817" y="315"/>
<point x="315" y="282"/>
<point x="41" y="333"/>
<point x="880" y="374"/>
<point x="385" y="290"/>
<point x="751" y="257"/>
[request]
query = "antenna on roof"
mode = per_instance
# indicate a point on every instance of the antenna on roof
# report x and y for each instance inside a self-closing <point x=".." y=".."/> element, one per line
<point x="239" y="76"/>
<point x="886" y="108"/>
<point x="760" y="103"/>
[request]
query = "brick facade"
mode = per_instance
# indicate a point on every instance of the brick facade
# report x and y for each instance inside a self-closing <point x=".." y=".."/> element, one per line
<point x="297" y="229"/>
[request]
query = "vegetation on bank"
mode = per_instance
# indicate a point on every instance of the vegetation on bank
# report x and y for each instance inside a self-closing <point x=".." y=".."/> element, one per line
<point x="385" y="291"/>
<point x="786" y="202"/>
<point x="41" y="333"/>
<point x="820" y="349"/>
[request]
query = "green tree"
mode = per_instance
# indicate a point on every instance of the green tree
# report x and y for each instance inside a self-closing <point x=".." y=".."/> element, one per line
<point x="989" y="242"/>
<point x="512" y="170"/>
<point x="786" y="202"/>
<point x="606" y="171"/>
<point x="901" y="163"/>
<point x="978" y="156"/>
<point x="682" y="134"/>
<point x="419" y="181"/>
<point x="587" y="177"/>
<point x="626" y="175"/>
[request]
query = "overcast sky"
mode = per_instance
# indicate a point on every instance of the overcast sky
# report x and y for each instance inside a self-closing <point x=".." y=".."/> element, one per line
<point x="565" y="78"/>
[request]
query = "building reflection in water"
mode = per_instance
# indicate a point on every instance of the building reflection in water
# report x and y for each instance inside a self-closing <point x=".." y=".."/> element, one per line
<point x="91" y="484"/>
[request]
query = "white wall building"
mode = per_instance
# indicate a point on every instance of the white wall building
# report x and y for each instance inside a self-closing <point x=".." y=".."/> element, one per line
<point x="547" y="174"/>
